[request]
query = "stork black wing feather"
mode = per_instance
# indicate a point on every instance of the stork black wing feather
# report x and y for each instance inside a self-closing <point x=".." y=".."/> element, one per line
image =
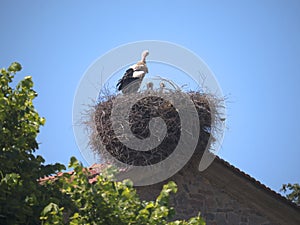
<point x="124" y="81"/>
<point x="128" y="73"/>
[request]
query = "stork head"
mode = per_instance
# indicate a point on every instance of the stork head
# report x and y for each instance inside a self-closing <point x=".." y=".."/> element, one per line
<point x="140" y="68"/>
<point x="144" y="55"/>
<point x="149" y="86"/>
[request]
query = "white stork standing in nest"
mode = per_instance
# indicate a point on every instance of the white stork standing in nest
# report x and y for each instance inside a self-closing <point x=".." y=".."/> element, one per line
<point x="132" y="79"/>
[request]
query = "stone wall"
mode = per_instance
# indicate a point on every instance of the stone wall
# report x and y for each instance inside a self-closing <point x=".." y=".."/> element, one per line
<point x="197" y="192"/>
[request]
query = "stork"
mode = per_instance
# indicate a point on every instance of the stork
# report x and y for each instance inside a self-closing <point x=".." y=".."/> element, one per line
<point x="132" y="78"/>
<point x="161" y="87"/>
<point x="149" y="86"/>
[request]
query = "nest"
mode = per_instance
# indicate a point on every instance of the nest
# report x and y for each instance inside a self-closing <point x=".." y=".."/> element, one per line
<point x="105" y="139"/>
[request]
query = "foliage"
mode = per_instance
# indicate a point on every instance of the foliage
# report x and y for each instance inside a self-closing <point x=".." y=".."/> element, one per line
<point x="21" y="196"/>
<point x="106" y="201"/>
<point x="294" y="192"/>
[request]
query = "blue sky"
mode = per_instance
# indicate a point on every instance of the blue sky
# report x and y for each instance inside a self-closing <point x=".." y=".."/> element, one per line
<point x="253" y="48"/>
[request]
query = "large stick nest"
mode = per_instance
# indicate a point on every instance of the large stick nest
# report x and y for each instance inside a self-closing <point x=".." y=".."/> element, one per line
<point x="105" y="143"/>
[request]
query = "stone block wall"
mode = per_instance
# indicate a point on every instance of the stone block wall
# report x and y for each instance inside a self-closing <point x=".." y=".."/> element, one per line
<point x="197" y="193"/>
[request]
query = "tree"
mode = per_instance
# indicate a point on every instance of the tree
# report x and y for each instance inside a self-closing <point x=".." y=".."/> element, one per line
<point x="294" y="192"/>
<point x="106" y="201"/>
<point x="21" y="196"/>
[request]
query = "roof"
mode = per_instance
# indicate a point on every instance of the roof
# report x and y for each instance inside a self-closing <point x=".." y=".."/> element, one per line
<point x="256" y="183"/>
<point x="95" y="169"/>
<point x="237" y="183"/>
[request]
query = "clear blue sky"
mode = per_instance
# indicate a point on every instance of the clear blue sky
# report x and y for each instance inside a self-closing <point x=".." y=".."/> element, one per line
<point x="253" y="48"/>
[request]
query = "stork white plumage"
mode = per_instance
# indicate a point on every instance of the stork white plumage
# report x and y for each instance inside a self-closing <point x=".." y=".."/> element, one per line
<point x="140" y="68"/>
<point x="132" y="79"/>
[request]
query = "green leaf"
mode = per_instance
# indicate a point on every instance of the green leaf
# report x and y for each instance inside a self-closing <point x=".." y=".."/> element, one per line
<point x="42" y="121"/>
<point x="73" y="162"/>
<point x="49" y="208"/>
<point x="14" y="67"/>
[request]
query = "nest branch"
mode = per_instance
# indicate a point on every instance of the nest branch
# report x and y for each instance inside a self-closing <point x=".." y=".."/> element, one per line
<point x="102" y="133"/>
